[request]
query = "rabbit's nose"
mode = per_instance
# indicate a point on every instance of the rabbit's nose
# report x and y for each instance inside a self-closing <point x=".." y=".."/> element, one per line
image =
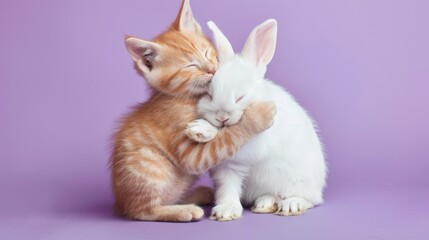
<point x="222" y="117"/>
<point x="222" y="120"/>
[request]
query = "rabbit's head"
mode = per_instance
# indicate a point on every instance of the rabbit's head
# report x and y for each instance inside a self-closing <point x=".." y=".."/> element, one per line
<point x="235" y="83"/>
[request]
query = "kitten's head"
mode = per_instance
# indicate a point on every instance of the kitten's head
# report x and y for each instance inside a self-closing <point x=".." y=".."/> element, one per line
<point x="180" y="61"/>
<point x="239" y="76"/>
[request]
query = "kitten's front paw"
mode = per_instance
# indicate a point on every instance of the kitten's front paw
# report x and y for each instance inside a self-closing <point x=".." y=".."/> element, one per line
<point x="262" y="114"/>
<point x="201" y="131"/>
<point x="226" y="212"/>
<point x="293" y="206"/>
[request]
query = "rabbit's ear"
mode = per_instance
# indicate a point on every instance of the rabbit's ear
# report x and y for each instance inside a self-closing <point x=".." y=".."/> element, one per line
<point x="223" y="46"/>
<point x="261" y="43"/>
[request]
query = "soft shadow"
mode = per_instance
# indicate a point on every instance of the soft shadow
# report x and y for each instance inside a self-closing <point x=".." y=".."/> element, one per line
<point x="85" y="200"/>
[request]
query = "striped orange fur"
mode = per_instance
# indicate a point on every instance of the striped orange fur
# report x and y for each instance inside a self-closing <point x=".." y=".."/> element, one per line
<point x="153" y="162"/>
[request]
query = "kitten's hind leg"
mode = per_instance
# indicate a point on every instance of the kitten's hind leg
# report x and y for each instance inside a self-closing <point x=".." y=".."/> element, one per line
<point x="201" y="196"/>
<point x="173" y="213"/>
<point x="265" y="204"/>
<point x="293" y="206"/>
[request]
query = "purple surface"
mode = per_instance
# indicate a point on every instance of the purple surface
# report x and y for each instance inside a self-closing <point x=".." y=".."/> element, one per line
<point x="361" y="68"/>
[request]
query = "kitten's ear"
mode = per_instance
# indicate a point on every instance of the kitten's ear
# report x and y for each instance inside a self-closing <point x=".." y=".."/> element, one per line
<point x="261" y="43"/>
<point x="223" y="46"/>
<point x="144" y="53"/>
<point x="185" y="20"/>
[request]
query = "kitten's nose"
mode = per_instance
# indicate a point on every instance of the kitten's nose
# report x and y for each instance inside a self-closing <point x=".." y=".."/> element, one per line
<point x="211" y="69"/>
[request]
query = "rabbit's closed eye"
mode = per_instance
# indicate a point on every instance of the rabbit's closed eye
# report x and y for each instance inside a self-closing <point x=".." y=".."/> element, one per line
<point x="239" y="99"/>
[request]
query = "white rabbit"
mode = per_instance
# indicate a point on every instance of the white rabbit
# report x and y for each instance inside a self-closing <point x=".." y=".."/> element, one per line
<point x="281" y="170"/>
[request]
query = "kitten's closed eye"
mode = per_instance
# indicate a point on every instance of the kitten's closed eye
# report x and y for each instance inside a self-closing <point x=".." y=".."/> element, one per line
<point x="207" y="53"/>
<point x="192" y="65"/>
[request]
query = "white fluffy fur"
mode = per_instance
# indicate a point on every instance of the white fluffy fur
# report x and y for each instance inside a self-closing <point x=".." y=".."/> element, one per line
<point x="283" y="168"/>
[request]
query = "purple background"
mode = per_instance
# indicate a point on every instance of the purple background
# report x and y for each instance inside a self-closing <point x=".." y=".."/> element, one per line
<point x="361" y="68"/>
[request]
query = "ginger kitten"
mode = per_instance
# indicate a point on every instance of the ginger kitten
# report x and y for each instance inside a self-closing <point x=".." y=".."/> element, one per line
<point x="153" y="162"/>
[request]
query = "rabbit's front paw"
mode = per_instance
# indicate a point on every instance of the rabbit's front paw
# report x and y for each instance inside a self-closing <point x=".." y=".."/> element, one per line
<point x="226" y="212"/>
<point x="293" y="206"/>
<point x="265" y="204"/>
<point x="201" y="131"/>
